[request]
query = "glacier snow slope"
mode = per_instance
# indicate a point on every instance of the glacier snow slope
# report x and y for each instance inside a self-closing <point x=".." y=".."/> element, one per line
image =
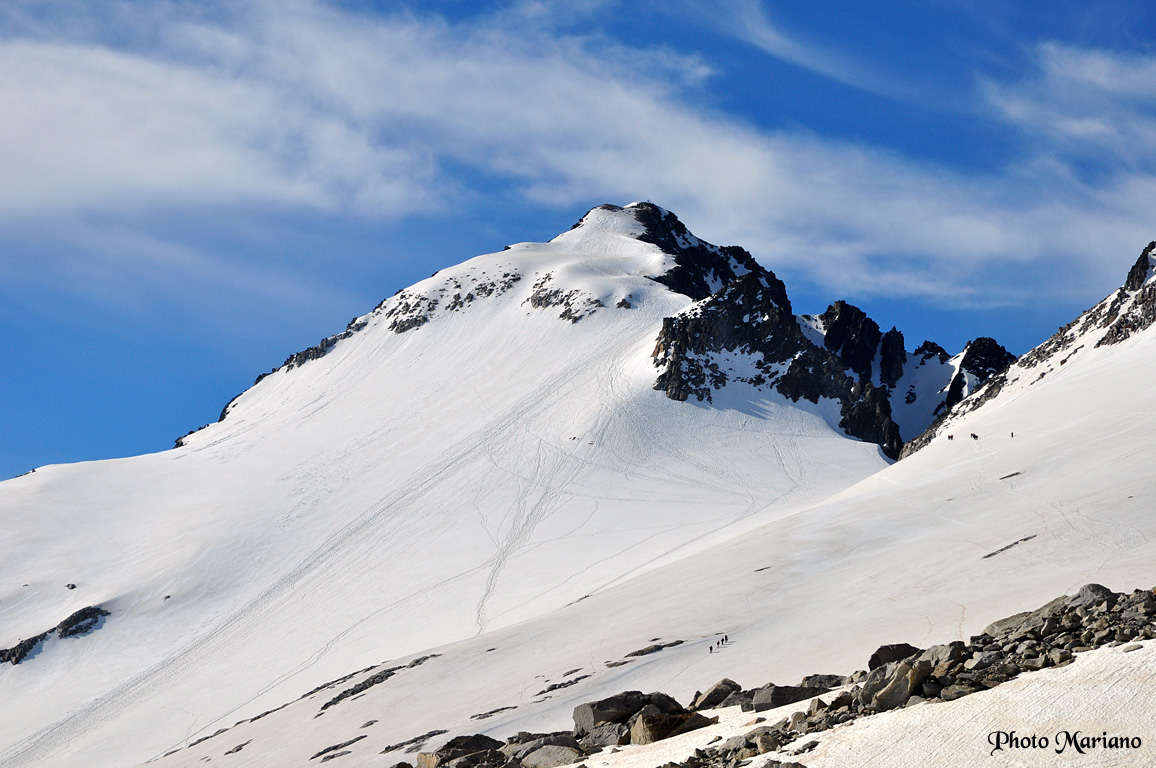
<point x="927" y="550"/>
<point x="405" y="491"/>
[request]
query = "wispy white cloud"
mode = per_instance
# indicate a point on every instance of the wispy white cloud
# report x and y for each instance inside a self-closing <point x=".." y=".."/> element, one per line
<point x="1086" y="102"/>
<point x="304" y="106"/>
<point x="748" y="21"/>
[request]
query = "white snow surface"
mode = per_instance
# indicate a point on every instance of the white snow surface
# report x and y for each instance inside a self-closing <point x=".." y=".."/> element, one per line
<point x="504" y="489"/>
<point x="912" y="554"/>
<point x="405" y="491"/>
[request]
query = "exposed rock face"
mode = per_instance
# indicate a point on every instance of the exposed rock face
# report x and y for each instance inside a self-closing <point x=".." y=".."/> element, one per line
<point x="852" y="336"/>
<point x="892" y="357"/>
<point x="751" y="314"/>
<point x="1134" y="306"/>
<point x="929" y="349"/>
<point x="700" y="268"/>
<point x="982" y="359"/>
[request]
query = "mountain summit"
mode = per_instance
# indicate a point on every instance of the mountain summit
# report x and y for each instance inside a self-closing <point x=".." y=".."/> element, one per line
<point x="522" y="432"/>
<point x="738" y="328"/>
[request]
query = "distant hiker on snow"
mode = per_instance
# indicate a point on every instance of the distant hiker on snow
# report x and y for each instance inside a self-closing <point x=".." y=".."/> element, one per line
<point x="974" y="436"/>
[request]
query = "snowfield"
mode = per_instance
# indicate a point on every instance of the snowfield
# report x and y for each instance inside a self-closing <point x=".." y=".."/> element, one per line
<point x="404" y="491"/>
<point x="500" y="488"/>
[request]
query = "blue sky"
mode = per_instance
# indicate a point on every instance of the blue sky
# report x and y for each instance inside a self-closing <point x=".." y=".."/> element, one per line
<point x="193" y="191"/>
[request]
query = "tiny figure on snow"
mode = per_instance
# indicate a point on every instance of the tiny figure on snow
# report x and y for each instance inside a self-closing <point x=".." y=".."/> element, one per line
<point x="974" y="436"/>
<point x="951" y="437"/>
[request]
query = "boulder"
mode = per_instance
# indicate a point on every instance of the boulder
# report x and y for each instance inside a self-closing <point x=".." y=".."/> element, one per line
<point x="519" y="751"/>
<point x="1005" y="626"/>
<point x="888" y="653"/>
<point x="461" y="747"/>
<point x="824" y="681"/>
<point x="606" y="735"/>
<point x="891" y="685"/>
<point x="650" y="728"/>
<point x="982" y="660"/>
<point x="943" y="654"/>
<point x="552" y="755"/>
<point x="737" y="699"/>
<point x="613" y="709"/>
<point x="716" y="694"/>
<point x="488" y="758"/>
<point x="1091" y="594"/>
<point x="773" y="696"/>
<point x="619" y="709"/>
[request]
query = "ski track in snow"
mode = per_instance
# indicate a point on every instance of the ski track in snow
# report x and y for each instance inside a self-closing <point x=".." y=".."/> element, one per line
<point x="235" y="630"/>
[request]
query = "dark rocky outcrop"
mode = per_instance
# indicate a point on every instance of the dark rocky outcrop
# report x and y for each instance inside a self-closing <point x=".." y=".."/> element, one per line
<point x="653" y="649"/>
<point x="337" y="747"/>
<point x="982" y="359"/>
<point x="700" y="268"/>
<point x="81" y="622"/>
<point x="750" y="314"/>
<point x="1134" y="306"/>
<point x="892" y="357"/>
<point x="413" y="744"/>
<point x="852" y="336"/>
<point x="1141" y="270"/>
<point x="753" y="317"/>
<point x="929" y="349"/>
<point x="372" y="680"/>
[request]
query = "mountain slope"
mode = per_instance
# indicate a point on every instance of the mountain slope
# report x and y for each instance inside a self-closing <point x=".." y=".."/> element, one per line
<point x="484" y="448"/>
<point x="927" y="550"/>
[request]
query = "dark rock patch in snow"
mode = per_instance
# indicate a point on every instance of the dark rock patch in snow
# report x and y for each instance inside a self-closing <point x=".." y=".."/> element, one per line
<point x="653" y="648"/>
<point x="575" y="304"/>
<point x="1009" y="546"/>
<point x="563" y="684"/>
<point x="372" y="680"/>
<point x="491" y="713"/>
<point x="414" y="744"/>
<point x="82" y="622"/>
<point x="342" y="745"/>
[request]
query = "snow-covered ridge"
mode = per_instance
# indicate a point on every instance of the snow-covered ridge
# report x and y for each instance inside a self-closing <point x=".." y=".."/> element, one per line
<point x="1118" y="318"/>
<point x="614" y="258"/>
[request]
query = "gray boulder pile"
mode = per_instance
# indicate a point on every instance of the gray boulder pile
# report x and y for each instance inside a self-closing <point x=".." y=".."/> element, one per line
<point x="898" y="675"/>
<point x="631" y="717"/>
<point x="902" y="675"/>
